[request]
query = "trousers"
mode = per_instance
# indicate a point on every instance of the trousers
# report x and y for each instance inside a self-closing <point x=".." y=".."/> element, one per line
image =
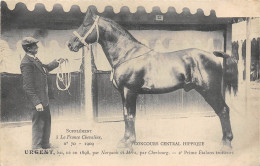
<point x="41" y="128"/>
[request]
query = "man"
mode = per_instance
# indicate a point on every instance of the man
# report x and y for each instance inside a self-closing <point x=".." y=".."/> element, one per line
<point x="35" y="84"/>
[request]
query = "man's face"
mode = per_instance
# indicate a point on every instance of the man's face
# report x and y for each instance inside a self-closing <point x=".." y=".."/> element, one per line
<point x="33" y="49"/>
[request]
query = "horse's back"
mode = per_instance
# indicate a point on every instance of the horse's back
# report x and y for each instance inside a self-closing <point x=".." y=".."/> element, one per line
<point x="187" y="69"/>
<point x="165" y="72"/>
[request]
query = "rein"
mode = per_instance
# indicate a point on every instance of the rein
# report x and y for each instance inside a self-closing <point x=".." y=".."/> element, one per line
<point x="65" y="78"/>
<point x="82" y="39"/>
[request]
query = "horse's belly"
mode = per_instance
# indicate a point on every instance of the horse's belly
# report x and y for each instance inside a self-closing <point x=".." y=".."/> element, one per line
<point x="161" y="80"/>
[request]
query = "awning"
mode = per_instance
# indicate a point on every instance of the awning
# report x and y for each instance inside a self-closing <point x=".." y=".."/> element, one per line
<point x="223" y="8"/>
<point x="67" y="15"/>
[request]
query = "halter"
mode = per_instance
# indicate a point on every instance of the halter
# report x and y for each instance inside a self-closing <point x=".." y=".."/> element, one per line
<point x="82" y="39"/>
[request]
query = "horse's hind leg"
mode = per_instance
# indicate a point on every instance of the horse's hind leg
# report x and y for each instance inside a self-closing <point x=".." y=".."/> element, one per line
<point x="216" y="101"/>
<point x="129" y="112"/>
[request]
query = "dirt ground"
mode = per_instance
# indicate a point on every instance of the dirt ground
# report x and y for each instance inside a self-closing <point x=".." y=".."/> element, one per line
<point x="99" y="146"/>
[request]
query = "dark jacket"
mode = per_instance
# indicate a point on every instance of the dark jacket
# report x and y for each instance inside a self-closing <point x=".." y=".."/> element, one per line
<point x="35" y="79"/>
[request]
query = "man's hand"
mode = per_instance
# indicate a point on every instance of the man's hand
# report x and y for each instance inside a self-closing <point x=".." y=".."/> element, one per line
<point x="61" y="60"/>
<point x="39" y="107"/>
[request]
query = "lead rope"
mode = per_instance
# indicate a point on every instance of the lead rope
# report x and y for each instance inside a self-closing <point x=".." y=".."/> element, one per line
<point x="64" y="78"/>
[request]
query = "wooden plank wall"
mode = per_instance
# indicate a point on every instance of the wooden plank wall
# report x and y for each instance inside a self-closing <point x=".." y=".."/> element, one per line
<point x="255" y="57"/>
<point x="16" y="107"/>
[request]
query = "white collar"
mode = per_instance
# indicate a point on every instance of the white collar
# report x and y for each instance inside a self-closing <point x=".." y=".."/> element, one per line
<point x="32" y="56"/>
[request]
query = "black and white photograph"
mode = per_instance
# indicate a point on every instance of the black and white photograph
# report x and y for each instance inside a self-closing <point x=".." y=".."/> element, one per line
<point x="130" y="83"/>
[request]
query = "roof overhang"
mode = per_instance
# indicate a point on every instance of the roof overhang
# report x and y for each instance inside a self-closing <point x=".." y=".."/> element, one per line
<point x="53" y="15"/>
<point x="223" y="8"/>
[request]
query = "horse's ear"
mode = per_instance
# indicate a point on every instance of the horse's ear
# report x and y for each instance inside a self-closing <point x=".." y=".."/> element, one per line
<point x="89" y="16"/>
<point x="89" y="13"/>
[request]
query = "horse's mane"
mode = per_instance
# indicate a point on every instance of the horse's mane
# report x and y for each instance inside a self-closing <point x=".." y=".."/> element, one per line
<point x="121" y="29"/>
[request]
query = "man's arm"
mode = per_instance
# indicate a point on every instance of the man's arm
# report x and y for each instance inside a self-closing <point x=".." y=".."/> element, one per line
<point x="28" y="83"/>
<point x="54" y="64"/>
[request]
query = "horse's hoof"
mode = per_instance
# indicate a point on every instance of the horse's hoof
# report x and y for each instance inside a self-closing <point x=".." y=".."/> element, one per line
<point x="122" y="143"/>
<point x="125" y="144"/>
<point x="226" y="145"/>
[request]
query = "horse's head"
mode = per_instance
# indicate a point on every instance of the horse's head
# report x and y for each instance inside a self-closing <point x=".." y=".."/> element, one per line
<point x="86" y="34"/>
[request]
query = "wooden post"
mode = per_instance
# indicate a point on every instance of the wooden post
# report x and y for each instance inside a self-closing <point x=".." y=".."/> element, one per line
<point x="88" y="84"/>
<point x="94" y="83"/>
<point x="240" y="63"/>
<point x="228" y="50"/>
<point x="82" y="81"/>
<point x="248" y="60"/>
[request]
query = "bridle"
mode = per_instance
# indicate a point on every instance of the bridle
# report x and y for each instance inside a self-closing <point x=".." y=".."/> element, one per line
<point x="82" y="39"/>
<point x="65" y="78"/>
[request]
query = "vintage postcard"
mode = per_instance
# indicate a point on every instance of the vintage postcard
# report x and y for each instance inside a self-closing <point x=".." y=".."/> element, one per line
<point x="130" y="83"/>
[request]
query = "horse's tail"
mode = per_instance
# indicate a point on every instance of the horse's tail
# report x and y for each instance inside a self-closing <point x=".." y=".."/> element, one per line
<point x="230" y="74"/>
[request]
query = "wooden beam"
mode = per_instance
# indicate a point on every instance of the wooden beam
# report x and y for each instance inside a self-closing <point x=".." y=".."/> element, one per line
<point x="94" y="82"/>
<point x="248" y="60"/>
<point x="88" y="85"/>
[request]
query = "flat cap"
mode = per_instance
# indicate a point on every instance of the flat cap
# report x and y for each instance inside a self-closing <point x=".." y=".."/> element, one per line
<point x="29" y="40"/>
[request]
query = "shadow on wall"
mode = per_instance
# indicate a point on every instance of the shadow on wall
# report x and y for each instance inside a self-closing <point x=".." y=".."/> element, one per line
<point x="11" y="59"/>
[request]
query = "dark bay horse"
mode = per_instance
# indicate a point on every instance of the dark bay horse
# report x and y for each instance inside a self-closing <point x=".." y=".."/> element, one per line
<point x="137" y="69"/>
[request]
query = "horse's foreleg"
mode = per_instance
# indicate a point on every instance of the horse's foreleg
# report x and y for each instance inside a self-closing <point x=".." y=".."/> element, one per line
<point x="129" y="112"/>
<point x="216" y="101"/>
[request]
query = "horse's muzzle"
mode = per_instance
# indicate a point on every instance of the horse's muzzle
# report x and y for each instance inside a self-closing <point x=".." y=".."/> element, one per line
<point x="75" y="49"/>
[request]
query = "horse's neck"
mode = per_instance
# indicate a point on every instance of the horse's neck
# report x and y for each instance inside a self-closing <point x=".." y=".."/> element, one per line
<point x="119" y="46"/>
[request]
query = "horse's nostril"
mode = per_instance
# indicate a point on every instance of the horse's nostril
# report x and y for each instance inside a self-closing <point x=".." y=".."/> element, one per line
<point x="70" y="46"/>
